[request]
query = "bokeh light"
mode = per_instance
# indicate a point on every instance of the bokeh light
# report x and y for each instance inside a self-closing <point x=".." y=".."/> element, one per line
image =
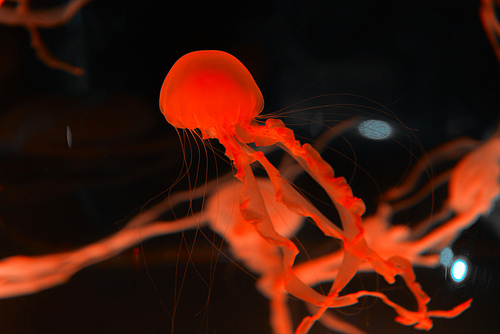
<point x="459" y="270"/>
<point x="375" y="129"/>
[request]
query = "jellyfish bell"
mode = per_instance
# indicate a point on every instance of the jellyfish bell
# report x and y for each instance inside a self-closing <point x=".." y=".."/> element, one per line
<point x="207" y="89"/>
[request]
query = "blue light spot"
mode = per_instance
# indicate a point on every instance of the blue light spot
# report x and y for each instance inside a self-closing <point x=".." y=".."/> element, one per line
<point x="459" y="270"/>
<point x="446" y="257"/>
<point x="374" y="129"/>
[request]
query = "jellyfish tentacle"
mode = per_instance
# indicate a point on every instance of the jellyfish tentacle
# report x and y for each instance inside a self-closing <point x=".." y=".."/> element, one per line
<point x="408" y="318"/>
<point x="23" y="15"/>
<point x="347" y="270"/>
<point x="451" y="150"/>
<point x="350" y="208"/>
<point x="23" y="275"/>
<point x="289" y="196"/>
<point x="491" y="25"/>
<point x="295" y="202"/>
<point x="332" y="321"/>
<point x="251" y="202"/>
<point x="351" y="262"/>
<point x="474" y="186"/>
<point x="280" y="317"/>
<point x="253" y="211"/>
<point x="43" y="53"/>
<point x="319" y="145"/>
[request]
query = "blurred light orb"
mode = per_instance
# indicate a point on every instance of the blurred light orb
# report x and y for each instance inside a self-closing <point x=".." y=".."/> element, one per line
<point x="375" y="129"/>
<point x="459" y="270"/>
<point x="446" y="257"/>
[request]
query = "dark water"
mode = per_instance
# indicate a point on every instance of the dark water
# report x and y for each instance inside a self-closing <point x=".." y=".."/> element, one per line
<point x="425" y="67"/>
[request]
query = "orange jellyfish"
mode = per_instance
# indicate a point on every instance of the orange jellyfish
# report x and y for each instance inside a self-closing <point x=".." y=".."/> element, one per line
<point x="269" y="211"/>
<point x="213" y="92"/>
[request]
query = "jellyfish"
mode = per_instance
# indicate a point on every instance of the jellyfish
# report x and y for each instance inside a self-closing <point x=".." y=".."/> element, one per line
<point x="212" y="94"/>
<point x="260" y="224"/>
<point x="23" y="15"/>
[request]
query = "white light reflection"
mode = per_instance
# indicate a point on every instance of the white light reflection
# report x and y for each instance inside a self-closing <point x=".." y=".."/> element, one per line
<point x="375" y="129"/>
<point x="458" y="270"/>
<point x="69" y="137"/>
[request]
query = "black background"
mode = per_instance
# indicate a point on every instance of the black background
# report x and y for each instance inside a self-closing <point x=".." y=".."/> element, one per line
<point x="428" y="62"/>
